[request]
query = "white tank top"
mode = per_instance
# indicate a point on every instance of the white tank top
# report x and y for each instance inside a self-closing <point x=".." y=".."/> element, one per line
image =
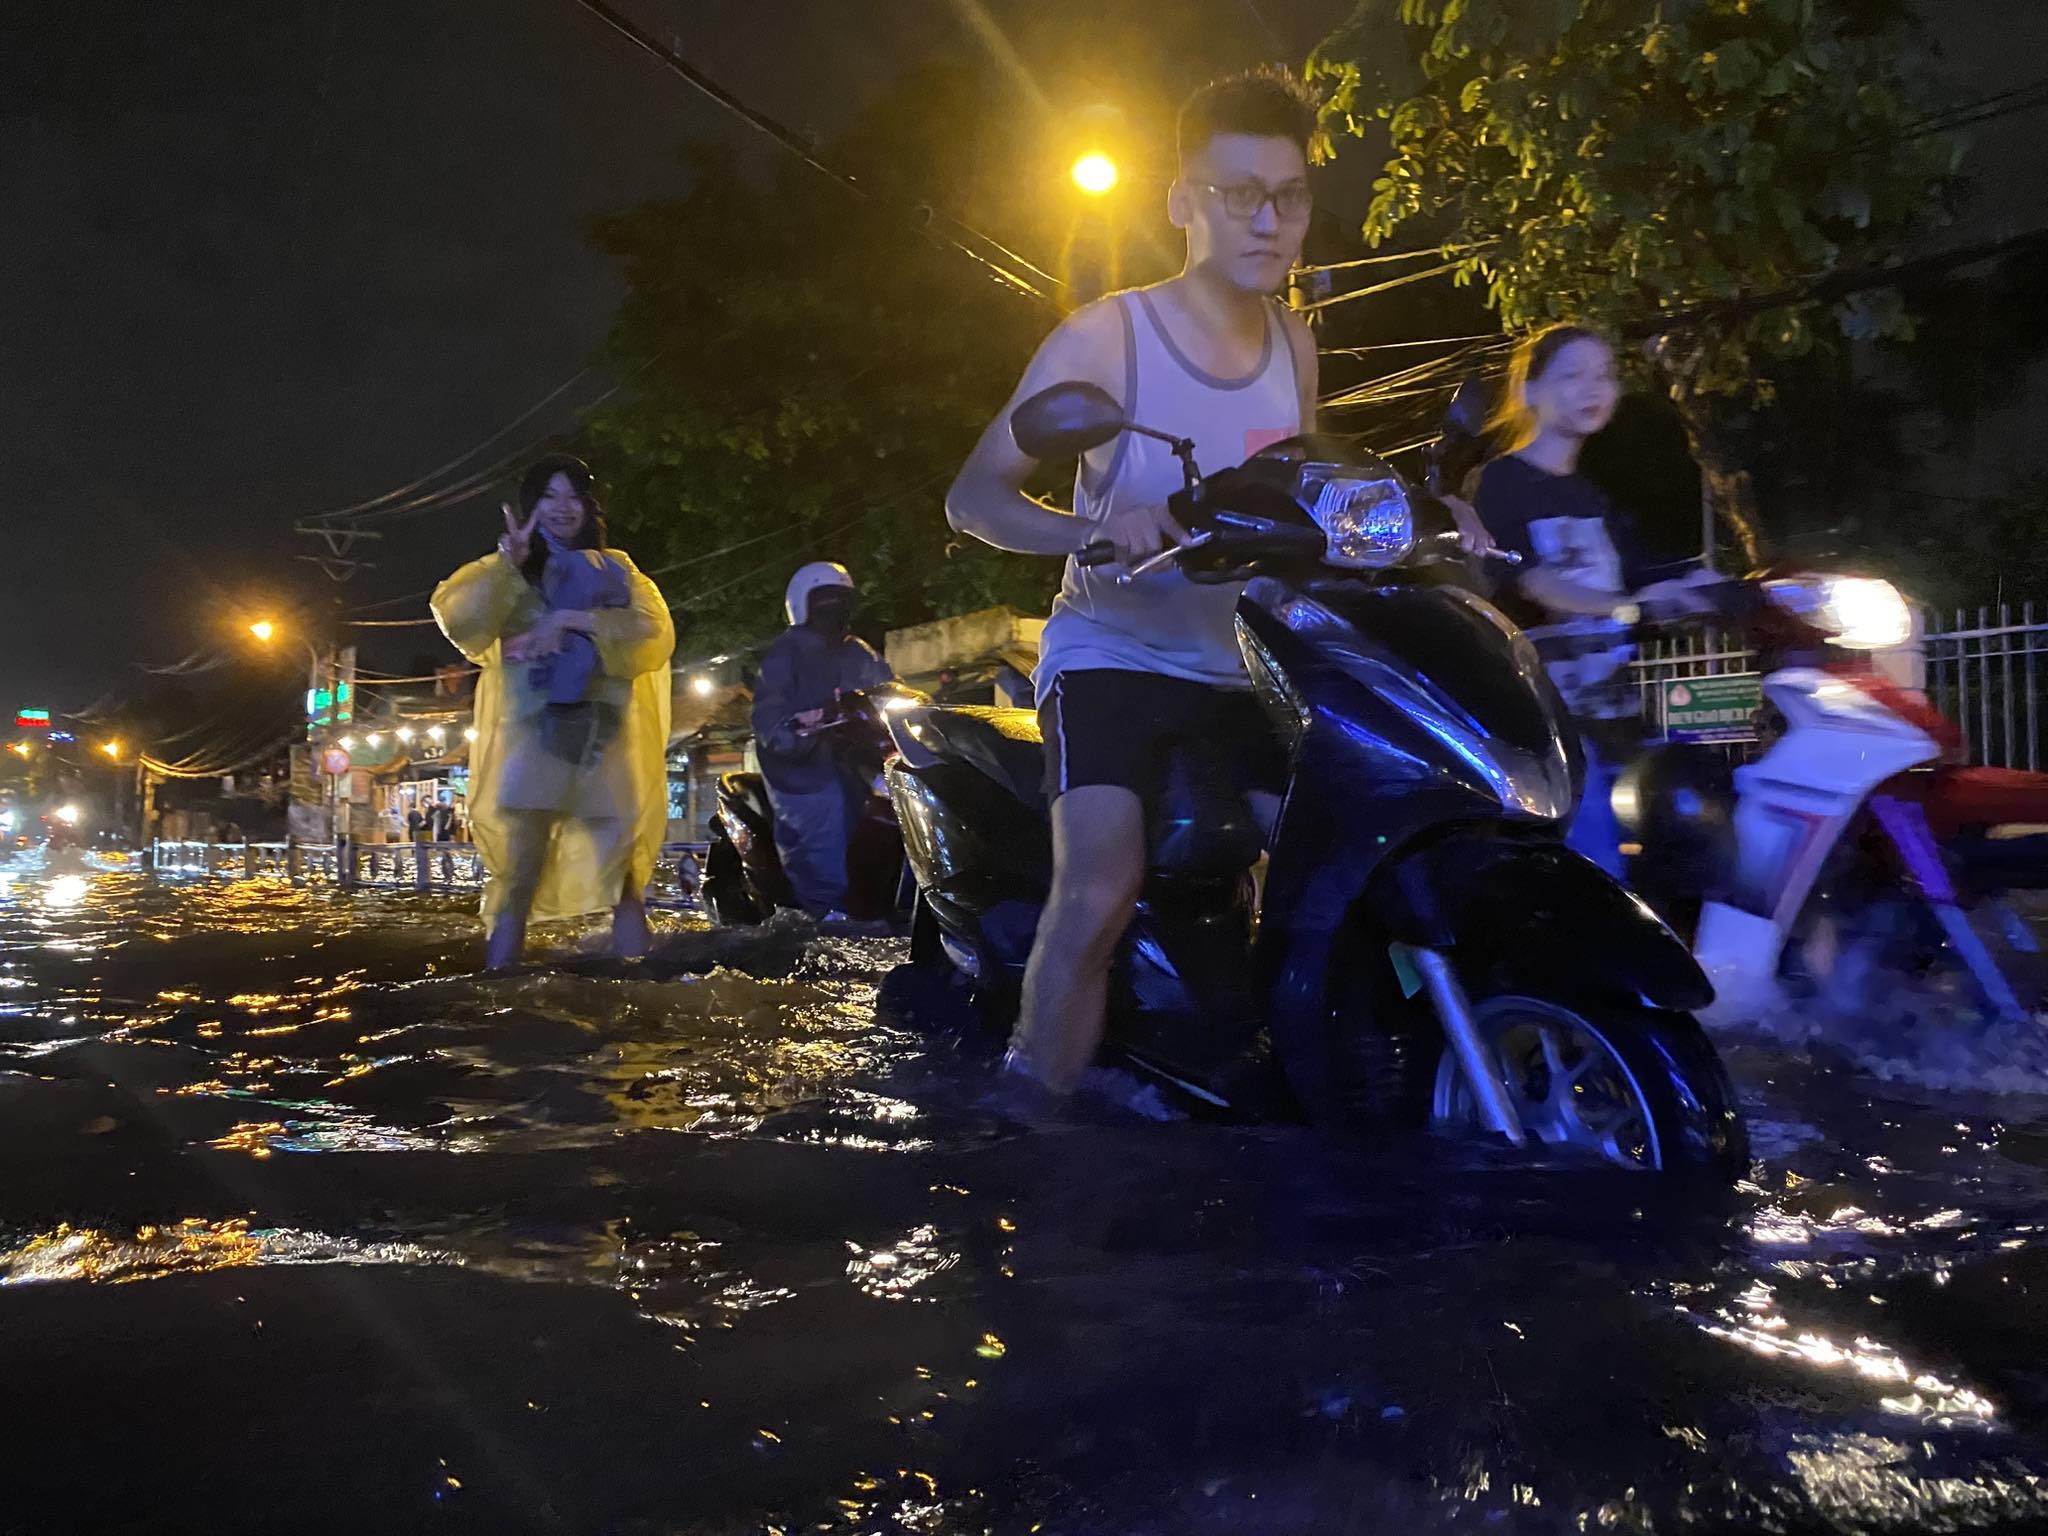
<point x="1162" y="622"/>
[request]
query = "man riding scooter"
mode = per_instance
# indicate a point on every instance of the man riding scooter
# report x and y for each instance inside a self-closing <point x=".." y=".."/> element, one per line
<point x="1136" y="656"/>
<point x="802" y="674"/>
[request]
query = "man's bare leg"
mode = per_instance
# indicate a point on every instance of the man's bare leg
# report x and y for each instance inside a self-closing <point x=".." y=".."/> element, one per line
<point x="1098" y="864"/>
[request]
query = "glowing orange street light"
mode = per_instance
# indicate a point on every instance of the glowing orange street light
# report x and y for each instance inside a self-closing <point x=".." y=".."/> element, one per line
<point x="263" y="629"/>
<point x="112" y="749"/>
<point x="1095" y="174"/>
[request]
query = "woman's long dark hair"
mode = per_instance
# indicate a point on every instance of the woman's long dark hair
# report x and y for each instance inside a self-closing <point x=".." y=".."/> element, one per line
<point x="534" y="484"/>
<point x="1514" y="424"/>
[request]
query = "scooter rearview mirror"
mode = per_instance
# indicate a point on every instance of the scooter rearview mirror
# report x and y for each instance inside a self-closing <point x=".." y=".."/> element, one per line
<point x="1065" y="420"/>
<point x="1466" y="415"/>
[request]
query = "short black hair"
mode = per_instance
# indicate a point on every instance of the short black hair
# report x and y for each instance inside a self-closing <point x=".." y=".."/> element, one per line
<point x="1269" y="102"/>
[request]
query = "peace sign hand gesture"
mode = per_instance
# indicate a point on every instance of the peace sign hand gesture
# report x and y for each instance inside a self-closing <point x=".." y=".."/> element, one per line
<point x="516" y="542"/>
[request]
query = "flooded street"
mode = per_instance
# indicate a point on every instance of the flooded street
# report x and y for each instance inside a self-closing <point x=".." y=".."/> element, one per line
<point x="305" y="1226"/>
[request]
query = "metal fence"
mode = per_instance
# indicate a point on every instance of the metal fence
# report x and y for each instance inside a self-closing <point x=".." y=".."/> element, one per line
<point x="1981" y="672"/>
<point x="1683" y="659"/>
<point x="418" y="866"/>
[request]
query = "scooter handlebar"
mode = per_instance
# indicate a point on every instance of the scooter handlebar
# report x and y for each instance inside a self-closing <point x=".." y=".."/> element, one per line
<point x="1102" y="552"/>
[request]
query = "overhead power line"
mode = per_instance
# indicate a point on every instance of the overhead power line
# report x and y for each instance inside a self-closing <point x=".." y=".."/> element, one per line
<point x="922" y="215"/>
<point x="1394" y="346"/>
<point x="1984" y="109"/>
<point x="451" y="465"/>
<point x="1389" y="257"/>
<point x="1836" y="285"/>
<point x="873" y="506"/>
<point x="468" y="488"/>
<point x="229" y="757"/>
<point x="1378" y="288"/>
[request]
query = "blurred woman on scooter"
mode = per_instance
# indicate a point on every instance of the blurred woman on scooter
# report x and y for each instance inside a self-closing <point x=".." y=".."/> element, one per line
<point x="1584" y="578"/>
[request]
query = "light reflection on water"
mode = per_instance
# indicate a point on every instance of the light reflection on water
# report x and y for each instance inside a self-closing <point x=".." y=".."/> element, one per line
<point x="896" y="1272"/>
<point x="65" y="891"/>
<point x="194" y="1245"/>
<point x="783" y="1235"/>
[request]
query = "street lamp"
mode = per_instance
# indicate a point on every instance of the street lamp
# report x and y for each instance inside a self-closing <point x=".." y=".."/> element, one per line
<point x="263" y="629"/>
<point x="1095" y="173"/>
<point x="112" y="749"/>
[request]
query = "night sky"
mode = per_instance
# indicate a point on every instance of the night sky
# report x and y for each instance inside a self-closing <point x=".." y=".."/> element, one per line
<point x="267" y="259"/>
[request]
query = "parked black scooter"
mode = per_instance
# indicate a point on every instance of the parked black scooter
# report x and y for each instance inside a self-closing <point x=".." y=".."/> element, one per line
<point x="744" y="880"/>
<point x="1425" y="948"/>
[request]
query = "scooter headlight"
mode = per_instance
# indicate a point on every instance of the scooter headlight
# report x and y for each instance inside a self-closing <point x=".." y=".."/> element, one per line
<point x="1367" y="523"/>
<point x="1861" y="613"/>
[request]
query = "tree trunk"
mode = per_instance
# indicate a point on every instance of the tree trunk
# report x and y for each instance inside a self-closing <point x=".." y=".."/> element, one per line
<point x="1728" y="484"/>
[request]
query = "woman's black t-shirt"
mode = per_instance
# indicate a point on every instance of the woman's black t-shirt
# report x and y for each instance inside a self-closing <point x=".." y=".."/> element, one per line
<point x="1565" y="523"/>
<point x="1562" y="523"/>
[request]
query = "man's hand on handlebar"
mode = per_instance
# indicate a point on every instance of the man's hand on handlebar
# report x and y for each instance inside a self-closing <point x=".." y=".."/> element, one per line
<point x="1140" y="532"/>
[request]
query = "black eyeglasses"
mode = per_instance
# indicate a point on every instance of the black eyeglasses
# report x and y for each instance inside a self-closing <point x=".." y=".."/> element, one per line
<point x="1244" y="200"/>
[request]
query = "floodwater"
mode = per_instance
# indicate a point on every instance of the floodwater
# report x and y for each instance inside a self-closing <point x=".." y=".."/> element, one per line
<point x="305" y="1227"/>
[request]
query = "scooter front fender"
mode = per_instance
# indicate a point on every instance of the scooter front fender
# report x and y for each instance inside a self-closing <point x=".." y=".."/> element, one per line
<point x="1536" y="911"/>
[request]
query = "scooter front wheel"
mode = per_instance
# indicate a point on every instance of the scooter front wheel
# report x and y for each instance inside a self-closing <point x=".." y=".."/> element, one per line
<point x="1635" y="1087"/>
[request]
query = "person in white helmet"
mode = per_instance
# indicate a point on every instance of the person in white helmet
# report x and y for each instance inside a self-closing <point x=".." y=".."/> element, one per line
<point x="810" y="664"/>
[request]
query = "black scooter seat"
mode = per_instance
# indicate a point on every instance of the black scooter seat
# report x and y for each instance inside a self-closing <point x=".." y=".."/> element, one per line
<point x="1003" y="743"/>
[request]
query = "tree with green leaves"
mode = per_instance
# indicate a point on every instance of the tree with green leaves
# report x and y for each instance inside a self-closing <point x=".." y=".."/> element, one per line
<point x="803" y="372"/>
<point x="1683" y="171"/>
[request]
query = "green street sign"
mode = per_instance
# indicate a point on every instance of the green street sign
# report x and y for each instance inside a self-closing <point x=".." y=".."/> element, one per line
<point x="1713" y="708"/>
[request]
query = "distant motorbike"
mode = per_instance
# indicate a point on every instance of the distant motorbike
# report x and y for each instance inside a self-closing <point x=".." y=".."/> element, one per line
<point x="63" y="841"/>
<point x="1425" y="948"/>
<point x="744" y="882"/>
<point x="1858" y="844"/>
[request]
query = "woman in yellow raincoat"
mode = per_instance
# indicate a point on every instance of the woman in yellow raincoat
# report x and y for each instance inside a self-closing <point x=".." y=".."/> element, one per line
<point x="567" y="801"/>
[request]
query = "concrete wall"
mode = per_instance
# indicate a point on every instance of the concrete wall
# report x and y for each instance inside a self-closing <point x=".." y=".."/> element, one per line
<point x="967" y="637"/>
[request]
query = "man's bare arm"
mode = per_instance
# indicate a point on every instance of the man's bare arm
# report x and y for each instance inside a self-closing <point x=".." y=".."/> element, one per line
<point x="987" y="498"/>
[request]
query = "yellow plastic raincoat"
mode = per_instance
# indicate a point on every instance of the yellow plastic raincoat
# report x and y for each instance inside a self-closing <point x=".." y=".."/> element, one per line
<point x="590" y="862"/>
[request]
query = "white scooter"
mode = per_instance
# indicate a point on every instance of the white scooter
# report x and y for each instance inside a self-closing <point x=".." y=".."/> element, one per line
<point x="1860" y="798"/>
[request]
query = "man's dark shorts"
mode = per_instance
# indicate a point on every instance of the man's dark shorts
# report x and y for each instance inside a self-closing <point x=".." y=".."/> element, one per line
<point x="1106" y="726"/>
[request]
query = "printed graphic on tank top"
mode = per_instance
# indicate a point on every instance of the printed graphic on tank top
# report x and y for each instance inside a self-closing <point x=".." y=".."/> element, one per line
<point x="1162" y="622"/>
